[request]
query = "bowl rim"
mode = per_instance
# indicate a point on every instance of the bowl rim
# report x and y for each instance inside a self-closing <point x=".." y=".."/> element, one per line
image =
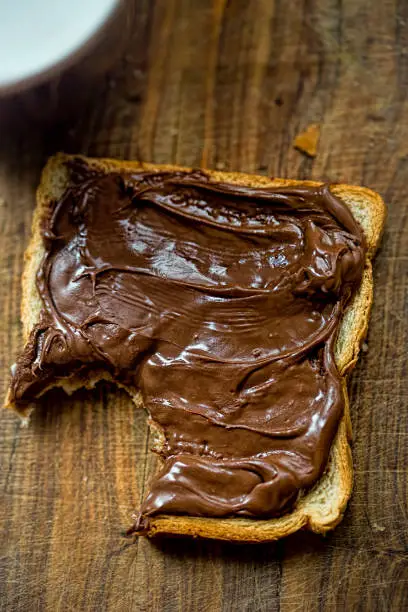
<point x="67" y="61"/>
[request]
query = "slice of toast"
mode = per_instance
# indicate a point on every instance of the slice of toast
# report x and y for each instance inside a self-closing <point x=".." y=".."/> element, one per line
<point x="322" y="507"/>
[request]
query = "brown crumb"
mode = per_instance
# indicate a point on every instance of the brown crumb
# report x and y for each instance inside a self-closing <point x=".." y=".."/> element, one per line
<point x="307" y="141"/>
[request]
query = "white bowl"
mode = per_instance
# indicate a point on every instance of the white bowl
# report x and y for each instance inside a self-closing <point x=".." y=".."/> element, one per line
<point x="40" y="37"/>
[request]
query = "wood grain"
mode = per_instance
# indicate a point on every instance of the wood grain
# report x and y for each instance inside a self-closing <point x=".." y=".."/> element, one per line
<point x="227" y="84"/>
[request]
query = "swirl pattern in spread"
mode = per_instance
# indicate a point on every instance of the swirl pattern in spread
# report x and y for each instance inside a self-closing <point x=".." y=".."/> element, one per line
<point x="221" y="304"/>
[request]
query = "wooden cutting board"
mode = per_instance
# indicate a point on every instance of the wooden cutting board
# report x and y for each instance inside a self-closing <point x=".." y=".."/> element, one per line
<point x="226" y="85"/>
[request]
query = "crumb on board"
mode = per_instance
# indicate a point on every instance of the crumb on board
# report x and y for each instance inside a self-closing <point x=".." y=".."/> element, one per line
<point x="307" y="141"/>
<point x="377" y="527"/>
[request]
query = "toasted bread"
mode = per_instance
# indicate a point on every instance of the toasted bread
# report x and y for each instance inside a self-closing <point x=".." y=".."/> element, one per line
<point x="319" y="509"/>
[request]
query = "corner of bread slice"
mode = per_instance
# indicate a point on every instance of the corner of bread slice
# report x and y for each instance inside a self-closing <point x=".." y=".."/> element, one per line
<point x="319" y="510"/>
<point x="54" y="181"/>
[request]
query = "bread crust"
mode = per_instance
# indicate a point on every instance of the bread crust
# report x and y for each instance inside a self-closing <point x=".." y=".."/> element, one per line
<point x="322" y="507"/>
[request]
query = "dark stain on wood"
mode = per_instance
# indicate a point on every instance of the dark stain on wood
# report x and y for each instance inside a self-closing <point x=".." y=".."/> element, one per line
<point x="226" y="84"/>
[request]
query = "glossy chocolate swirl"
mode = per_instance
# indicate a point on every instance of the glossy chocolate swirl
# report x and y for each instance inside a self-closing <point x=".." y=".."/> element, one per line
<point x="221" y="303"/>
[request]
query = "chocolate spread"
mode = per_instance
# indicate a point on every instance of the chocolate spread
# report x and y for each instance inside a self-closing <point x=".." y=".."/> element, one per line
<point x="221" y="304"/>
